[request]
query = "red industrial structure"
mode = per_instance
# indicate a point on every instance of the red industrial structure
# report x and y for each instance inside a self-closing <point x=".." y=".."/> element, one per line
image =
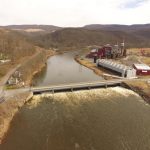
<point x="142" y="69"/>
<point x="108" y="51"/>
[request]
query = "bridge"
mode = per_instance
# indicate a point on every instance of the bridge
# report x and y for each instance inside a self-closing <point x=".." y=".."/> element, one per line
<point x="74" y="86"/>
<point x="4" y="95"/>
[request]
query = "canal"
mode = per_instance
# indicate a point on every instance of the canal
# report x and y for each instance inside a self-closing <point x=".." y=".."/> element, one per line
<point x="101" y="119"/>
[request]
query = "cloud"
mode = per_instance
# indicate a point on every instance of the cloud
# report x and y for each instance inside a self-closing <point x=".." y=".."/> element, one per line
<point x="133" y="3"/>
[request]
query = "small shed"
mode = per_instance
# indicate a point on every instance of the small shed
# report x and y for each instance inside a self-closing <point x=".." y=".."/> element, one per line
<point x="142" y="69"/>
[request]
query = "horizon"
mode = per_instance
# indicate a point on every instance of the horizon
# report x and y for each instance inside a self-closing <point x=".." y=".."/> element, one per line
<point x="65" y="13"/>
<point x="71" y="26"/>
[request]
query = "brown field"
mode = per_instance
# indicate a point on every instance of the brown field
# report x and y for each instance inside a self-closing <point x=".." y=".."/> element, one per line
<point x="137" y="51"/>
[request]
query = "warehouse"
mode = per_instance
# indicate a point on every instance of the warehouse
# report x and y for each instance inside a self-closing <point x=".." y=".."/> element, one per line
<point x="122" y="70"/>
<point x="142" y="69"/>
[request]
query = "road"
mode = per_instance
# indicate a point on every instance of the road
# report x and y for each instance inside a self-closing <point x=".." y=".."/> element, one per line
<point x="4" y="80"/>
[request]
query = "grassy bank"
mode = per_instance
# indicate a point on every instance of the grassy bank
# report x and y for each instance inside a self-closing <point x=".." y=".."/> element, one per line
<point x="9" y="108"/>
<point x="89" y="65"/>
<point x="140" y="87"/>
<point x="32" y="65"/>
<point x="28" y="69"/>
<point x="99" y="71"/>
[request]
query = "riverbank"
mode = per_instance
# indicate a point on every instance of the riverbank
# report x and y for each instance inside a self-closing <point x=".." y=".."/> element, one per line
<point x="28" y="68"/>
<point x="140" y="87"/>
<point x="31" y="66"/>
<point x="9" y="108"/>
<point x="100" y="72"/>
<point x="34" y="65"/>
<point x="48" y="53"/>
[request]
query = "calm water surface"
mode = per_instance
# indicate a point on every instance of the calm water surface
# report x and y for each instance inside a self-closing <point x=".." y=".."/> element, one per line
<point x="63" y="69"/>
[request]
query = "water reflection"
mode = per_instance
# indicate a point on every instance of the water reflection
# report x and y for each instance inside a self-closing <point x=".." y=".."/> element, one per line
<point x="39" y="77"/>
<point x="64" y="69"/>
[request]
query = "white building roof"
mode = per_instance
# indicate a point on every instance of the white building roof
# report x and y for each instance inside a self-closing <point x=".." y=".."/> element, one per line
<point x="113" y="65"/>
<point x="142" y="66"/>
<point x="93" y="50"/>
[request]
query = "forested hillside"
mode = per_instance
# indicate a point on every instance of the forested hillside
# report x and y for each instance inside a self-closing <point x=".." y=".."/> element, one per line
<point x="49" y="36"/>
<point x="14" y="45"/>
<point x="75" y="38"/>
<point x="32" y="30"/>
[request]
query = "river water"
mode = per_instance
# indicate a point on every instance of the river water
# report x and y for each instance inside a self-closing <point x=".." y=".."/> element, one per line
<point x="100" y="119"/>
<point x="63" y="69"/>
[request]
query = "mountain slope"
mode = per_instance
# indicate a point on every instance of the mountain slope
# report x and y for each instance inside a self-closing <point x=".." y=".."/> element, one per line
<point x="75" y="38"/>
<point x="15" y="45"/>
<point x="48" y="36"/>
<point x="117" y="27"/>
<point x="32" y="30"/>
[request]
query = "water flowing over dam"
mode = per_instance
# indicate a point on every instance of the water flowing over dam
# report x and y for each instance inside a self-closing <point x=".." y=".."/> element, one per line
<point x="111" y="118"/>
<point x="101" y="119"/>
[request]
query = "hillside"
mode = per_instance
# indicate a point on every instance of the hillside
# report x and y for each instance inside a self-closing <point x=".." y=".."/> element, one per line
<point x="49" y="36"/>
<point x="117" y="27"/>
<point x="14" y="47"/>
<point x="32" y="30"/>
<point x="75" y="38"/>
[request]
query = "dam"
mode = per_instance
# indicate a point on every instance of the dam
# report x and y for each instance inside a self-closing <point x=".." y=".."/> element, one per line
<point x="112" y="118"/>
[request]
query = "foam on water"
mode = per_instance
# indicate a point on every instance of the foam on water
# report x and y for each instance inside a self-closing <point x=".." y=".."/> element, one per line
<point x="112" y="118"/>
<point x="86" y="95"/>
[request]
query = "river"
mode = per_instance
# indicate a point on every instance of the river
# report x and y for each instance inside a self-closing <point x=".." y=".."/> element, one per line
<point x="101" y="119"/>
<point x="63" y="69"/>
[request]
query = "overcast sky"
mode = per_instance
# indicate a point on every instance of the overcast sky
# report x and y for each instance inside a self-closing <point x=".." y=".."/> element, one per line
<point x="74" y="12"/>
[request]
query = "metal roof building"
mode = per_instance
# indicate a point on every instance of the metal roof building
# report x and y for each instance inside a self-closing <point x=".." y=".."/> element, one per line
<point x="124" y="71"/>
<point x="142" y="69"/>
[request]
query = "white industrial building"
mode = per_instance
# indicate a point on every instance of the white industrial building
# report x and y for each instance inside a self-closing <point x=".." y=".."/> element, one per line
<point x="124" y="71"/>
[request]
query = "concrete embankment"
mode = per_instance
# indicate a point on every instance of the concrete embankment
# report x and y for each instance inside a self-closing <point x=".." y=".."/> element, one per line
<point x="9" y="108"/>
